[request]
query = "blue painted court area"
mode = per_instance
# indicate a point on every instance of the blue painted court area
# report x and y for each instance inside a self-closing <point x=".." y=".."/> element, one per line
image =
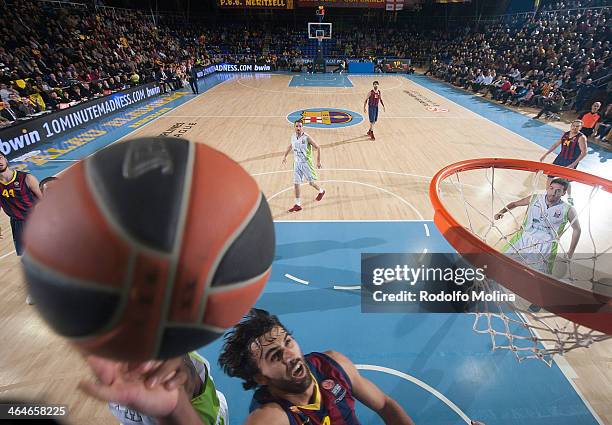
<point x="596" y="162"/>
<point x="436" y="350"/>
<point x="320" y="80"/>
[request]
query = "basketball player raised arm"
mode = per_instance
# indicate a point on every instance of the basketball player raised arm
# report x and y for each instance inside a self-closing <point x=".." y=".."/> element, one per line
<point x="512" y="205"/>
<point x="155" y="389"/>
<point x="571" y="215"/>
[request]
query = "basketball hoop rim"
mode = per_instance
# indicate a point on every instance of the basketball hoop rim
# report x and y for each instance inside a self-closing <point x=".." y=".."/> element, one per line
<point x="541" y="289"/>
<point x="522" y="165"/>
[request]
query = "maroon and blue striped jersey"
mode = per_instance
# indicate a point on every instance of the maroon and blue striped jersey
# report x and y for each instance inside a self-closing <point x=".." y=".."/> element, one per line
<point x="570" y="148"/>
<point x="374" y="98"/>
<point x="16" y="198"/>
<point x="333" y="402"/>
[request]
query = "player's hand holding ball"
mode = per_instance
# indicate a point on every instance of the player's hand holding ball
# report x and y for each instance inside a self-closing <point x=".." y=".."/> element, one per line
<point x="171" y="373"/>
<point x="117" y="384"/>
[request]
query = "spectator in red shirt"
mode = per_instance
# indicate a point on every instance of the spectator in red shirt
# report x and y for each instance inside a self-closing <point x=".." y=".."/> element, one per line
<point x="505" y="87"/>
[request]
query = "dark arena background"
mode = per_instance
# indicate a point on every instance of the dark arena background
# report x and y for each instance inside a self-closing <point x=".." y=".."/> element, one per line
<point x="494" y="87"/>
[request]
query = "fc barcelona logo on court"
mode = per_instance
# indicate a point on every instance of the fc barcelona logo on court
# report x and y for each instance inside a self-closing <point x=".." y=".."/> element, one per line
<point x="325" y="117"/>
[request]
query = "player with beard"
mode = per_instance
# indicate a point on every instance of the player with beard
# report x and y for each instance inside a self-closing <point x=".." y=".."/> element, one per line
<point x="315" y="389"/>
<point x="545" y="221"/>
<point x="19" y="192"/>
<point x="295" y="389"/>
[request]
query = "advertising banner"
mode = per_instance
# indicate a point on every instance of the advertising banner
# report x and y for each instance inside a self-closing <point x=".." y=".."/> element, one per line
<point x="202" y="72"/>
<point x="241" y="67"/>
<point x="23" y="137"/>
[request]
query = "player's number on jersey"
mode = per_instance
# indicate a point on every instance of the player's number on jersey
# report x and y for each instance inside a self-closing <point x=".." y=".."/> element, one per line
<point x="8" y="193"/>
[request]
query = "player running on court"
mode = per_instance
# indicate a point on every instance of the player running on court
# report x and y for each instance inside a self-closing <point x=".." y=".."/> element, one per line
<point x="374" y="96"/>
<point x="547" y="216"/>
<point x="303" y="168"/>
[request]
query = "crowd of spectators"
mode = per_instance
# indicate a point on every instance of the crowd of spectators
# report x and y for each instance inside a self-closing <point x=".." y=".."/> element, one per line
<point x="55" y="57"/>
<point x="555" y="60"/>
<point x="51" y="58"/>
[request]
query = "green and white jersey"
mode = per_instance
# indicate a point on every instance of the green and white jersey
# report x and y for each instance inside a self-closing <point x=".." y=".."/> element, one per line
<point x="303" y="164"/>
<point x="538" y="239"/>
<point x="210" y="405"/>
<point x="302" y="151"/>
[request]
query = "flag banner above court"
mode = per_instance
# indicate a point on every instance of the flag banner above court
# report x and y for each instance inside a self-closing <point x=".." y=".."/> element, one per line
<point x="448" y="283"/>
<point x="256" y="4"/>
<point x="375" y="4"/>
<point x="22" y="138"/>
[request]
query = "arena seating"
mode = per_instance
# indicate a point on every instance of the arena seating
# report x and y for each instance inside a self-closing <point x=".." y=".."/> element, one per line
<point x="52" y="57"/>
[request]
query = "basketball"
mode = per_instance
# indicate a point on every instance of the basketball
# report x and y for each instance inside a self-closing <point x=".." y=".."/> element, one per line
<point x="149" y="249"/>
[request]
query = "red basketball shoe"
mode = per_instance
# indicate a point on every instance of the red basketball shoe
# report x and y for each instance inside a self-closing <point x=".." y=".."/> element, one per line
<point x="320" y="196"/>
<point x="372" y="136"/>
<point x="295" y="208"/>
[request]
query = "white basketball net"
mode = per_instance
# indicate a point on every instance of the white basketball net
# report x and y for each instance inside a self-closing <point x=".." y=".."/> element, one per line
<point x="522" y="328"/>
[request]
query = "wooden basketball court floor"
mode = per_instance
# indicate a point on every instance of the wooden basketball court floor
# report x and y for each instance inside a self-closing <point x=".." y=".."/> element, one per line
<point x="376" y="201"/>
